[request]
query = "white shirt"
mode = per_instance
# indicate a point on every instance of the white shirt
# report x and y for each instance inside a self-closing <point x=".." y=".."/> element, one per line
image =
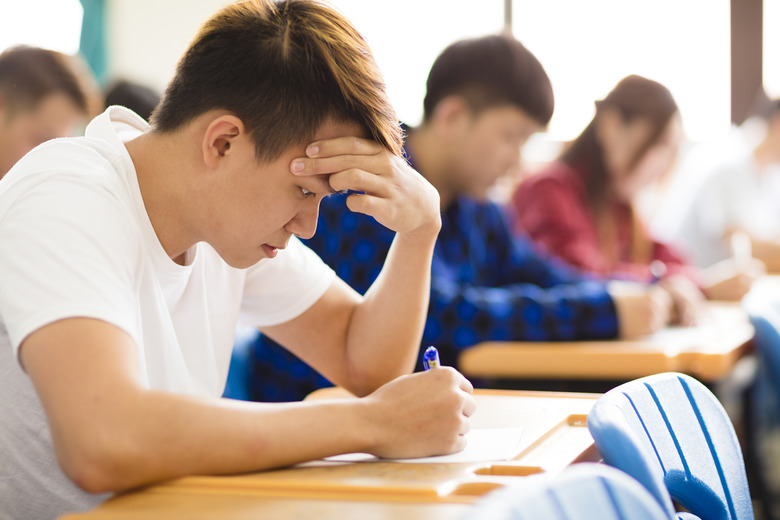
<point x="713" y="196"/>
<point x="77" y="242"/>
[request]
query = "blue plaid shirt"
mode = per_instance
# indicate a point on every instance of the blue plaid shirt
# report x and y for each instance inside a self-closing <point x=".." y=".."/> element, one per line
<point x="486" y="285"/>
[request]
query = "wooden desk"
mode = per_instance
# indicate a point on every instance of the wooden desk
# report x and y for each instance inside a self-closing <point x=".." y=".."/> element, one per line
<point x="707" y="352"/>
<point x="554" y="436"/>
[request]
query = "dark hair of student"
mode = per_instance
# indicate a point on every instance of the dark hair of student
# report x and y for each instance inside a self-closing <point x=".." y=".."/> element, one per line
<point x="138" y="98"/>
<point x="283" y="68"/>
<point x="29" y="74"/>
<point x="490" y="71"/>
<point x="634" y="97"/>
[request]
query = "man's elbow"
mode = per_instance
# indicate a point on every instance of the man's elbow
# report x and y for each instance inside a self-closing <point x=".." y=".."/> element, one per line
<point x="100" y="467"/>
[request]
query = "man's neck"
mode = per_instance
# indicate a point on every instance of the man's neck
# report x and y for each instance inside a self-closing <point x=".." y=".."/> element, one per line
<point x="159" y="161"/>
<point x="431" y="158"/>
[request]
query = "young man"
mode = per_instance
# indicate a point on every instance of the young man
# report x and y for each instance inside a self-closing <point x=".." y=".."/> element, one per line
<point x="41" y="97"/>
<point x="136" y="249"/>
<point x="485" y="97"/>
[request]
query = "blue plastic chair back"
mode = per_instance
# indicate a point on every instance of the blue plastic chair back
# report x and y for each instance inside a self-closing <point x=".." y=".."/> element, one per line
<point x="584" y="491"/>
<point x="764" y="313"/>
<point x="762" y="410"/>
<point x="668" y="430"/>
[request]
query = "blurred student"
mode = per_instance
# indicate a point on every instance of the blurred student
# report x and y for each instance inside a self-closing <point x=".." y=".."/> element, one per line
<point x="41" y="97"/>
<point x="136" y="249"/>
<point x="582" y="208"/>
<point x="735" y="191"/>
<point x="485" y="97"/>
<point x="137" y="97"/>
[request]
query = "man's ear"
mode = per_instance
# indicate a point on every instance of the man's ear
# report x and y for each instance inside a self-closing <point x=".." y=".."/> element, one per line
<point x="451" y="113"/>
<point x="219" y="137"/>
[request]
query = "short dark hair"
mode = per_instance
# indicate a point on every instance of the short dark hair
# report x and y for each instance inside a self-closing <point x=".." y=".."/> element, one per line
<point x="29" y="74"/>
<point x="138" y="98"/>
<point x="283" y="68"/>
<point x="491" y="71"/>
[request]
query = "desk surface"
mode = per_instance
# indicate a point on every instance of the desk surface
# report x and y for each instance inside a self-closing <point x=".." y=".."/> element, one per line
<point x="707" y="352"/>
<point x="554" y="436"/>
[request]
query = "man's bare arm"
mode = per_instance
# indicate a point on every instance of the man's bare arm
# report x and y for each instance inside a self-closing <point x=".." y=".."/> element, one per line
<point x="111" y="433"/>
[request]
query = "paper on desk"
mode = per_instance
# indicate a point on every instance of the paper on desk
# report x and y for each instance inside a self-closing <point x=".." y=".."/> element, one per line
<point x="677" y="339"/>
<point x="482" y="445"/>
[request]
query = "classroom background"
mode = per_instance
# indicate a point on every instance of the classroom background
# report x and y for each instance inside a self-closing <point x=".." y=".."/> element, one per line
<point x="714" y="55"/>
<point x="719" y="58"/>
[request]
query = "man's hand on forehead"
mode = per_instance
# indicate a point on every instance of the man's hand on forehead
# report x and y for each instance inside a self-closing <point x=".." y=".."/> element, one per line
<point x="386" y="187"/>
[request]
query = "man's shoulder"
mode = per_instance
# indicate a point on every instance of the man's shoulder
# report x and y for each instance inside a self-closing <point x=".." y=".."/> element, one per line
<point x="475" y="211"/>
<point x="72" y="157"/>
<point x="71" y="178"/>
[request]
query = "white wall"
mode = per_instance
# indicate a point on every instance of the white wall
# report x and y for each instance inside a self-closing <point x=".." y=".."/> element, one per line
<point x="146" y="37"/>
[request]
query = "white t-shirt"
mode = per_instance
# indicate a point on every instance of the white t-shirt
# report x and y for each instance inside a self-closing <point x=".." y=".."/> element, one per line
<point x="77" y="242"/>
<point x="737" y="195"/>
<point x="720" y="187"/>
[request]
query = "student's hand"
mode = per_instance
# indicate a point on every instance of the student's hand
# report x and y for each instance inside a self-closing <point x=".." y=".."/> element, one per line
<point x="393" y="193"/>
<point x="421" y="415"/>
<point x="726" y="281"/>
<point x="641" y="309"/>
<point x="686" y="297"/>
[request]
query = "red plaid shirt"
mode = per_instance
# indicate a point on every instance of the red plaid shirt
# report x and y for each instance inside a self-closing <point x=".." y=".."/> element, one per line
<point x="552" y="208"/>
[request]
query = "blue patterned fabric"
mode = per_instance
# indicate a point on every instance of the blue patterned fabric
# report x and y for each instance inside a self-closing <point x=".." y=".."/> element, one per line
<point x="486" y="285"/>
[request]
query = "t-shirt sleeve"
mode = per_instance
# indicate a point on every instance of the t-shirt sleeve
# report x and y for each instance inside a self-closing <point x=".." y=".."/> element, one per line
<point x="280" y="289"/>
<point x="67" y="252"/>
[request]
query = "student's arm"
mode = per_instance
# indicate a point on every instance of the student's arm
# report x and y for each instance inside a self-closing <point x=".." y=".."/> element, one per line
<point x="732" y="278"/>
<point x="462" y="315"/>
<point x="767" y="251"/>
<point x="362" y="342"/>
<point x="525" y="295"/>
<point x="110" y="433"/>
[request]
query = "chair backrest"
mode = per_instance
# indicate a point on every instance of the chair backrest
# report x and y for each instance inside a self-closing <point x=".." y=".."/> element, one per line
<point x="670" y="430"/>
<point x="585" y="491"/>
<point x="764" y="313"/>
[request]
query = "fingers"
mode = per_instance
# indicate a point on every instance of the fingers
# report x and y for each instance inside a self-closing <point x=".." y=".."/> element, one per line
<point x="305" y="166"/>
<point x="463" y="390"/>
<point x="469" y="405"/>
<point x="359" y="180"/>
<point x="343" y="146"/>
<point x="337" y="155"/>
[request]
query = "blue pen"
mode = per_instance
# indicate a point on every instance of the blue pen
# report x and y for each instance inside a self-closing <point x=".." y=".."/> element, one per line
<point x="431" y="358"/>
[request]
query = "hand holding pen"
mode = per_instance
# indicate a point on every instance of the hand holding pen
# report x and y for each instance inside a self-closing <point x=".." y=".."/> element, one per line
<point x="422" y="414"/>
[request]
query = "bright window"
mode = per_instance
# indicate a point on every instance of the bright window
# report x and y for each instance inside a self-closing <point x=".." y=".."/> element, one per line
<point x="407" y="35"/>
<point x="52" y="24"/>
<point x="587" y="47"/>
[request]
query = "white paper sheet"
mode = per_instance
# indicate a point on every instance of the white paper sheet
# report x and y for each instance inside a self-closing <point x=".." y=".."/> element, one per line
<point x="482" y="445"/>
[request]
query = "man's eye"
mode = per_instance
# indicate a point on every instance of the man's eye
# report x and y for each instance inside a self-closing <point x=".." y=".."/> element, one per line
<point x="306" y="193"/>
